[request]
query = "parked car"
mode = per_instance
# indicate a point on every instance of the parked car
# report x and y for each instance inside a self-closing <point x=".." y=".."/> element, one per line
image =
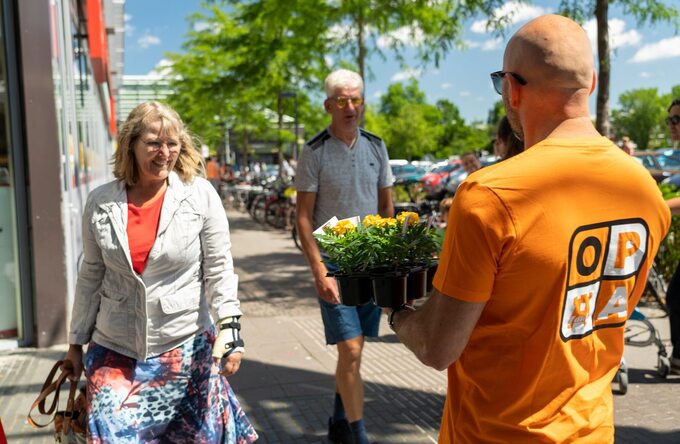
<point x="673" y="180"/>
<point x="660" y="166"/>
<point x="440" y="171"/>
<point x="407" y="173"/>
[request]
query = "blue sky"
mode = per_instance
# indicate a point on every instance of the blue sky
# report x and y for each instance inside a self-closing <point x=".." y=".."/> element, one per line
<point x="643" y="57"/>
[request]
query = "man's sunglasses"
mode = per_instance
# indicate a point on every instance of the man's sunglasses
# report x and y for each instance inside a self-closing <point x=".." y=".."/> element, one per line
<point x="672" y="120"/>
<point x="497" y="79"/>
<point x="341" y="102"/>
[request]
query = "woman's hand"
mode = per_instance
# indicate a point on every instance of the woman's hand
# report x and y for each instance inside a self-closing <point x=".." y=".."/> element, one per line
<point x="75" y="355"/>
<point x="230" y="364"/>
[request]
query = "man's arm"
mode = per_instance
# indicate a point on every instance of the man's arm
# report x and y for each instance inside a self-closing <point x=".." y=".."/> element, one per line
<point x="385" y="204"/>
<point x="674" y="205"/>
<point x="438" y="332"/>
<point x="325" y="286"/>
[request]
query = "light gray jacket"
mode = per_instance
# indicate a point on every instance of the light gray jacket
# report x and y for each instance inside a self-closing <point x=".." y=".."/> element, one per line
<point x="188" y="274"/>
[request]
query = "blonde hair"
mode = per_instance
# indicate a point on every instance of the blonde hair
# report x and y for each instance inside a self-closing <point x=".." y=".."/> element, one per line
<point x="343" y="78"/>
<point x="189" y="161"/>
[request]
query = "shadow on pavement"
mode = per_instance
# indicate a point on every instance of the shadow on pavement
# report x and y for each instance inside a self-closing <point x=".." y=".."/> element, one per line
<point x="648" y="376"/>
<point x="293" y="405"/>
<point x="628" y="434"/>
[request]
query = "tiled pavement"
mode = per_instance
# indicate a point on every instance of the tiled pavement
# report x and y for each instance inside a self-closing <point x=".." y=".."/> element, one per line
<point x="286" y="380"/>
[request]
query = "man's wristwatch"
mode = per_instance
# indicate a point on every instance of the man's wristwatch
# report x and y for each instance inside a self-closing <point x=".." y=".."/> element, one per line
<point x="396" y="310"/>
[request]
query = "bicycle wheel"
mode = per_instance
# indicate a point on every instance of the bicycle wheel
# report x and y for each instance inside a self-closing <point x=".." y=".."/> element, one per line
<point x="296" y="240"/>
<point x="273" y="215"/>
<point x="656" y="286"/>
<point x="258" y="210"/>
<point x="638" y="333"/>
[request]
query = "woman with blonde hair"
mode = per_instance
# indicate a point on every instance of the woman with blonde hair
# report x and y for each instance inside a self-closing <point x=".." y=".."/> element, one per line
<point x="157" y="270"/>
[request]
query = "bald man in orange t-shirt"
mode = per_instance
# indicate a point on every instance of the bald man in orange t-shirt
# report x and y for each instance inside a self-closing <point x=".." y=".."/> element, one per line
<point x="544" y="259"/>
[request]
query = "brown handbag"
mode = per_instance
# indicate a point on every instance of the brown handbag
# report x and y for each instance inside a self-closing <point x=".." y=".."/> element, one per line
<point x="70" y="424"/>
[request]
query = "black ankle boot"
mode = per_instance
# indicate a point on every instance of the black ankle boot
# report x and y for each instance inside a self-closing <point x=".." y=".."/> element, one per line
<point x="339" y="432"/>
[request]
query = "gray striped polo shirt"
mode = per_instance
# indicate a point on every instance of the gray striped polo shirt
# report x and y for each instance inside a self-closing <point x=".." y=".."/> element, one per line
<point x="346" y="181"/>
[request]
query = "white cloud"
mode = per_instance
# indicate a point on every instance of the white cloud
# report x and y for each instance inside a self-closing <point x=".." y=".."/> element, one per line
<point x="148" y="40"/>
<point x="162" y="68"/>
<point x="492" y="44"/>
<point x="465" y="94"/>
<point x="446" y="86"/>
<point x="513" y="11"/>
<point x="201" y="26"/>
<point x="329" y="61"/>
<point x="618" y="35"/>
<point x="129" y="29"/>
<point x="378" y="94"/>
<point x="645" y="74"/>
<point x="471" y="44"/>
<point x="406" y="35"/>
<point x="406" y="74"/>
<point x="663" y="49"/>
<point x="340" y="33"/>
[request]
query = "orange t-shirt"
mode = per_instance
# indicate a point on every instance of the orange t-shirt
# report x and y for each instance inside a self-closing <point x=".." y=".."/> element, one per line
<point x="142" y="226"/>
<point x="212" y="170"/>
<point x="557" y="241"/>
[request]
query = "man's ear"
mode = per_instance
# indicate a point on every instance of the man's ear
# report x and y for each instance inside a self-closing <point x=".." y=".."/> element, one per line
<point x="592" y="87"/>
<point x="514" y="91"/>
<point x="327" y="106"/>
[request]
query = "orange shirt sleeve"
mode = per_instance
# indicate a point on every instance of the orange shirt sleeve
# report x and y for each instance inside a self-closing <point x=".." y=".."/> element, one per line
<point x="479" y="233"/>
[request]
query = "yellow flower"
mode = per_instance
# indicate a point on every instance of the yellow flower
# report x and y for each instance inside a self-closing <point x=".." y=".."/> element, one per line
<point x="413" y="217"/>
<point x="386" y="222"/>
<point x="343" y="227"/>
<point x="371" y="220"/>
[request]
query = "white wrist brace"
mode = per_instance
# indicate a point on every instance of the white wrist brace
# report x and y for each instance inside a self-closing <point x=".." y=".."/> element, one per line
<point x="228" y="339"/>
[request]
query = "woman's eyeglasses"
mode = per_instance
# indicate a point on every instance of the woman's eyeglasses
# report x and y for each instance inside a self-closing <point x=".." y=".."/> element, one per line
<point x="497" y="80"/>
<point x="673" y="120"/>
<point x="342" y="102"/>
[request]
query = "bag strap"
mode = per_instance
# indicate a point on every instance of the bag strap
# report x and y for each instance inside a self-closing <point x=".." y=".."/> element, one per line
<point x="52" y="386"/>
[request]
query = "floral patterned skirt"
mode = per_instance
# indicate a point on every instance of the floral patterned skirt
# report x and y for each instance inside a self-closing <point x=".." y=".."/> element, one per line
<point x="177" y="397"/>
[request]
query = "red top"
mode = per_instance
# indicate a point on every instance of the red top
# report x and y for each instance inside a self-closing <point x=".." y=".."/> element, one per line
<point x="142" y="227"/>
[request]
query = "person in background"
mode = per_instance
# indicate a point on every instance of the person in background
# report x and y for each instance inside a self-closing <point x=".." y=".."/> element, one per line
<point x="343" y="171"/>
<point x="507" y="144"/>
<point x="212" y="168"/>
<point x="470" y="162"/>
<point x="627" y="145"/>
<point x="544" y="260"/>
<point x="673" y="292"/>
<point x="157" y="270"/>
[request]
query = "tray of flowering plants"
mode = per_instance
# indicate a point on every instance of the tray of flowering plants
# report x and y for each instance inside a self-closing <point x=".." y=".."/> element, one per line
<point x="380" y="259"/>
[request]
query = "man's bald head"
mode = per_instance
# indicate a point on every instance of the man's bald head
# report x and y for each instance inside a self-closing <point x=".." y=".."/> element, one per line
<point x="551" y="51"/>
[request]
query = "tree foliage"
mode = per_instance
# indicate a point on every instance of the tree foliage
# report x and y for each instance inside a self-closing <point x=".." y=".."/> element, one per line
<point x="412" y="128"/>
<point x="648" y="11"/>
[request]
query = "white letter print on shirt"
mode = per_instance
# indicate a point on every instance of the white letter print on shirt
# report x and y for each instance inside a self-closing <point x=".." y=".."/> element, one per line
<point x="604" y="262"/>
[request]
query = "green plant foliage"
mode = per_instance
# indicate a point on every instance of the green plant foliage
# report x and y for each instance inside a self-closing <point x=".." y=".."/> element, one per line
<point x="379" y="243"/>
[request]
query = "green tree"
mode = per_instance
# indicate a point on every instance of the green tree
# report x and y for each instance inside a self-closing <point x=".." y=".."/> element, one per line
<point x="640" y="115"/>
<point x="406" y="121"/>
<point x="648" y="11"/>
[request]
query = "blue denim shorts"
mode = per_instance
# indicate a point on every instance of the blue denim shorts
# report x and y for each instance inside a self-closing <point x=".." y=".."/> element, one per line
<point x="342" y="322"/>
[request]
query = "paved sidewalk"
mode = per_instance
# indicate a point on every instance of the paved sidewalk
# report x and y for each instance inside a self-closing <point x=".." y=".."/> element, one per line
<point x="286" y="380"/>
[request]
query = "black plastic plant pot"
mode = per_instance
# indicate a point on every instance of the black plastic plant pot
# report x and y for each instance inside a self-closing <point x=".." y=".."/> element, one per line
<point x="416" y="283"/>
<point x="430" y="275"/>
<point x="389" y="289"/>
<point x="354" y="290"/>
